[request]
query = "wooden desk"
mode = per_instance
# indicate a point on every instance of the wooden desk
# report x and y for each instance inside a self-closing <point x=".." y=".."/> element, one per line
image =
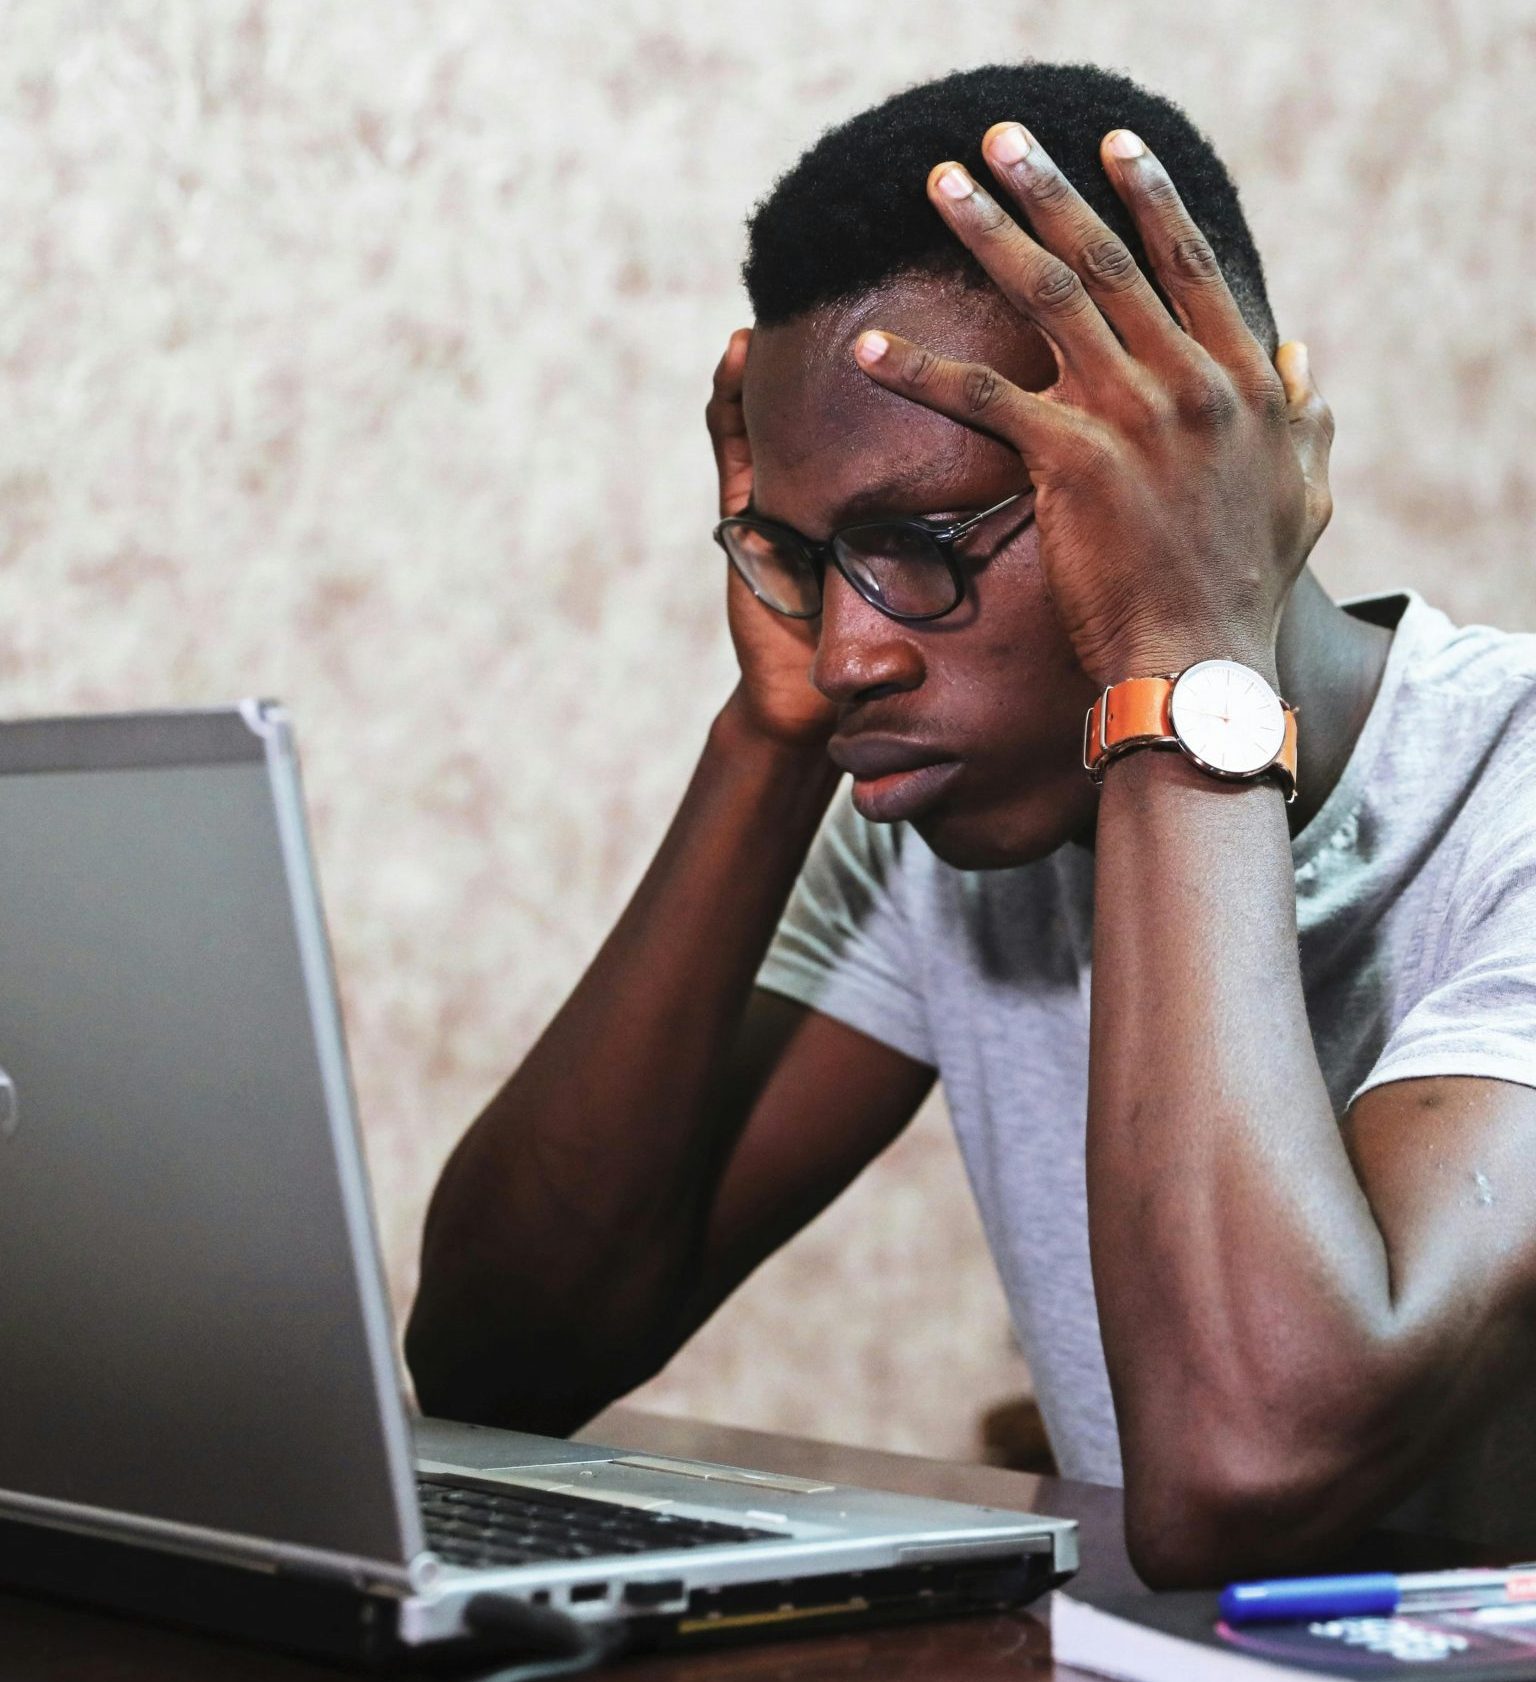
<point x="42" y="1642"/>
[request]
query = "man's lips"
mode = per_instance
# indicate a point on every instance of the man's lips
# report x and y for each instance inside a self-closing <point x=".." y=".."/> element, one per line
<point x="880" y="756"/>
<point x="893" y="779"/>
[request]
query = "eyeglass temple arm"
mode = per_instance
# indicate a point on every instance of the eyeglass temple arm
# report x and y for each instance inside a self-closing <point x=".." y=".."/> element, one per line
<point x="963" y="526"/>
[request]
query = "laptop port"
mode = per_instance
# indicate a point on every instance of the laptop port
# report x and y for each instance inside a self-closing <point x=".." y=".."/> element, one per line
<point x="655" y="1594"/>
<point x="589" y="1591"/>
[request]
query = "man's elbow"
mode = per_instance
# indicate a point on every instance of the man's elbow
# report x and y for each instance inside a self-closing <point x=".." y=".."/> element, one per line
<point x="1236" y="1505"/>
<point x="1182" y="1529"/>
<point x="451" y="1375"/>
<point x="468" y="1364"/>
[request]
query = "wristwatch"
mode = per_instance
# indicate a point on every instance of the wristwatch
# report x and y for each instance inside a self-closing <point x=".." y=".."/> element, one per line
<point x="1219" y="713"/>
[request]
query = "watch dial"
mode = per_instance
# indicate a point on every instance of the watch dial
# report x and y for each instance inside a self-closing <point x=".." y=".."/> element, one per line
<point x="1227" y="716"/>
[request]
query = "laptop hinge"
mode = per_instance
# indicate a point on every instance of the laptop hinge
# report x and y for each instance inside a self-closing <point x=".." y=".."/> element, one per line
<point x="370" y="1575"/>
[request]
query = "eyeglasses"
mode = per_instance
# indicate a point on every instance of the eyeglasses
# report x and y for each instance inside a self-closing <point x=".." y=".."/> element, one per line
<point x="906" y="568"/>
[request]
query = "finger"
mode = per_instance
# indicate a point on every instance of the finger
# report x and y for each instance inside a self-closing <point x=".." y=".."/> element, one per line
<point x="727" y="425"/>
<point x="1051" y="438"/>
<point x="1066" y="225"/>
<point x="1180" y="255"/>
<point x="1036" y="283"/>
<point x="1312" y="429"/>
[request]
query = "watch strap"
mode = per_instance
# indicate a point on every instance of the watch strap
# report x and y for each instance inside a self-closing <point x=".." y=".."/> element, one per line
<point x="1136" y="713"/>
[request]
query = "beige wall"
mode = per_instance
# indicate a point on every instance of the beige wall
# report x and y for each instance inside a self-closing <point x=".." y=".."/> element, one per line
<point x="355" y="353"/>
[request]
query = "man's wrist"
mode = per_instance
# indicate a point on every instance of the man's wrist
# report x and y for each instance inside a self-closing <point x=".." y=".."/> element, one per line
<point x="1167" y="656"/>
<point x="1220" y="714"/>
<point x="735" y="734"/>
<point x="1146" y="762"/>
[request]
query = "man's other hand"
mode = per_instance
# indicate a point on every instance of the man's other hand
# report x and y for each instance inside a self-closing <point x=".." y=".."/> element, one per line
<point x="1173" y="503"/>
<point x="775" y="698"/>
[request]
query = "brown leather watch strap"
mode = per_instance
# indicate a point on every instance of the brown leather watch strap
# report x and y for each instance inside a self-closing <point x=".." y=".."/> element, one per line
<point x="1133" y="710"/>
<point x="1135" y="713"/>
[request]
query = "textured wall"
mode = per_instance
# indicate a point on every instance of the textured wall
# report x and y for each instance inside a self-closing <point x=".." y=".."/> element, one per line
<point x="355" y="353"/>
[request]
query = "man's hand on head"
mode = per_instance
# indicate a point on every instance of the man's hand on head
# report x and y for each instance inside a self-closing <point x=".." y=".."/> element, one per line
<point x="1181" y="477"/>
<point x="775" y="702"/>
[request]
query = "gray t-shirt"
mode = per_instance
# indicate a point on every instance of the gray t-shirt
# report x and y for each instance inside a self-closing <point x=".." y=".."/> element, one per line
<point x="1416" y="905"/>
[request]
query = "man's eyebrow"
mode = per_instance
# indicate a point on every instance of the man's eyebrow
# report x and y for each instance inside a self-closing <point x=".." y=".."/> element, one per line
<point x="872" y="499"/>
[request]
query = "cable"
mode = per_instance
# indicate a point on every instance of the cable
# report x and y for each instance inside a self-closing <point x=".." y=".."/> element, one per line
<point x="569" y="1645"/>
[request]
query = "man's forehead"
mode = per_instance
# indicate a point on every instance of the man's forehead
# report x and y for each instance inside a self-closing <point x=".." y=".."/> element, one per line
<point x="825" y="435"/>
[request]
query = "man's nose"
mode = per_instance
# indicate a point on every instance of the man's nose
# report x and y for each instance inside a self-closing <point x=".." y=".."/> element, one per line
<point x="861" y="652"/>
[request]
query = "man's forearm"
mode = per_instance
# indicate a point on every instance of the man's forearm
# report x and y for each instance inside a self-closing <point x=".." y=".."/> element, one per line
<point x="566" y="1219"/>
<point x="1241" y="1277"/>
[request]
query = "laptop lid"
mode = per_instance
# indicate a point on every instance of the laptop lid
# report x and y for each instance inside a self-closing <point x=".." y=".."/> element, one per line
<point x="195" y="1344"/>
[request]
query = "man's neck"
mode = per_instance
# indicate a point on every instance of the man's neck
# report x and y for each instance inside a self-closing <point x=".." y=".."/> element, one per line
<point x="1330" y="665"/>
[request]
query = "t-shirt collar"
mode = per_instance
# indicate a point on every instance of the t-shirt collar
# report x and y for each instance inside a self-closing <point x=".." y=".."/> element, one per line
<point x="1406" y="610"/>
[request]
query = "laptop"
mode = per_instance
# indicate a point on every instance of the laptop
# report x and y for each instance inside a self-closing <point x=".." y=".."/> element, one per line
<point x="202" y="1418"/>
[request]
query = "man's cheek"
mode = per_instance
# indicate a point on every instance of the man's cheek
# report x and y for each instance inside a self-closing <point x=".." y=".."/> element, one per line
<point x="1019" y="636"/>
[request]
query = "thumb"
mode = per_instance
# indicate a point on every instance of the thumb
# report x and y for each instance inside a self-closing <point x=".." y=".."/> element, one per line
<point x="1312" y="430"/>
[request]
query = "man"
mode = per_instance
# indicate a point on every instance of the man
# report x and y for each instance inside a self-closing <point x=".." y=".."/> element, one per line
<point x="1244" y="1085"/>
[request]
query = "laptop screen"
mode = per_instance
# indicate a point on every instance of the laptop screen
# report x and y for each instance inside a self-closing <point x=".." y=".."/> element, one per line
<point x="192" y="1326"/>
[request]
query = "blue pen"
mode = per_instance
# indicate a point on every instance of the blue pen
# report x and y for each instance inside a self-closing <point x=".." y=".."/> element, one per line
<point x="1376" y="1594"/>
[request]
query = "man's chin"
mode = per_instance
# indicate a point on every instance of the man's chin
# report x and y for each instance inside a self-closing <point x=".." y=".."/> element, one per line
<point x="1002" y="838"/>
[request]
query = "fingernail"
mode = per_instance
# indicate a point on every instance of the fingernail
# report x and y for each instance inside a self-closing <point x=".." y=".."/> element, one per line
<point x="1124" y="144"/>
<point x="954" y="183"/>
<point x="871" y="347"/>
<point x="1291" y="359"/>
<point x="1008" y="145"/>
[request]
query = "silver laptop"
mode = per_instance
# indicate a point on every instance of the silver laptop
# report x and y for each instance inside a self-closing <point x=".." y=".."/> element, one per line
<point x="201" y="1414"/>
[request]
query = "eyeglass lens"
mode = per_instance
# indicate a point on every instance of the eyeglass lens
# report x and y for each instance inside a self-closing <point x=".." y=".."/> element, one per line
<point x="900" y="568"/>
<point x="775" y="567"/>
<point x="896" y="567"/>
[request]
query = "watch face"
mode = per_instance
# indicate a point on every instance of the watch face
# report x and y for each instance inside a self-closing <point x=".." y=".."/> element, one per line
<point x="1227" y="716"/>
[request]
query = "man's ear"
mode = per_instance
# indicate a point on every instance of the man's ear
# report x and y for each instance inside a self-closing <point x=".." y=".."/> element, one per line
<point x="727" y="425"/>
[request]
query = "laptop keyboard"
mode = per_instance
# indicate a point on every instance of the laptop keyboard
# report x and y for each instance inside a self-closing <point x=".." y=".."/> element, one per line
<point x="517" y="1526"/>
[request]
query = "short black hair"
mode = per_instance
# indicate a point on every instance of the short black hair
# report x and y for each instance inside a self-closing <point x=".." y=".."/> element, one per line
<point x="853" y="212"/>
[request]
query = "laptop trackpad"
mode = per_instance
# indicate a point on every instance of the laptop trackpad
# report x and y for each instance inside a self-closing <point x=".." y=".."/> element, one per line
<point x="481" y="1448"/>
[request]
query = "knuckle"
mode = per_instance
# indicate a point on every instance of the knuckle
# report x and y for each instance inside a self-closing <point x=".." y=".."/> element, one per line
<point x="1161" y="194"/>
<point x="1208" y="401"/>
<point x="981" y="388"/>
<point x="1267" y="394"/>
<point x="1108" y="265"/>
<point x="1054" y="289"/>
<point x="1049" y="187"/>
<point x="988" y="215"/>
<point x="919" y="368"/>
<point x="1192" y="257"/>
<point x="1149" y="404"/>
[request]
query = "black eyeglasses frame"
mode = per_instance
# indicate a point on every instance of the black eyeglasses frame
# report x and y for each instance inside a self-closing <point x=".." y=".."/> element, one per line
<point x="822" y="554"/>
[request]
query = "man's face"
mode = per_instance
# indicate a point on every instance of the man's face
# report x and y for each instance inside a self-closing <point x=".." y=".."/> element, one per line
<point x="993" y="685"/>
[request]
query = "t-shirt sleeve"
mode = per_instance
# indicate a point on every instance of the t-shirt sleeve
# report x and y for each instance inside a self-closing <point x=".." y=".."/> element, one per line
<point x="844" y="945"/>
<point x="1478" y="1016"/>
